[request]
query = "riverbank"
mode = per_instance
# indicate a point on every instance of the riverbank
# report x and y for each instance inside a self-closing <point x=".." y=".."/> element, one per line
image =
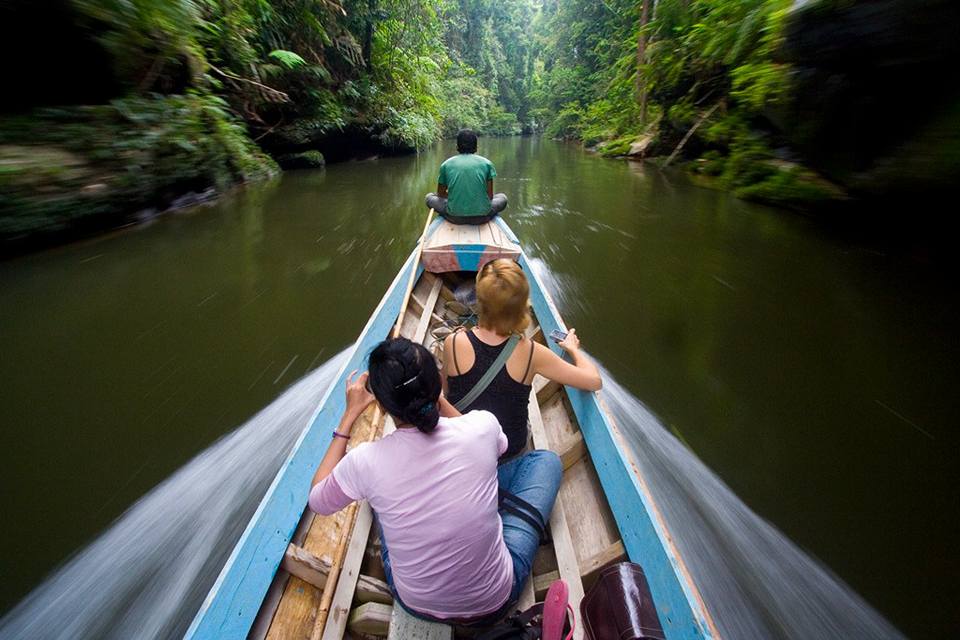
<point x="72" y="172"/>
<point x="816" y="105"/>
<point x="161" y="104"/>
<point x="756" y="175"/>
<point x="69" y="172"/>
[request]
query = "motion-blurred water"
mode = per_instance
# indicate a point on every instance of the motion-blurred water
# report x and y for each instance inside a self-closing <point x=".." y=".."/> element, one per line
<point x="755" y="582"/>
<point x="147" y="574"/>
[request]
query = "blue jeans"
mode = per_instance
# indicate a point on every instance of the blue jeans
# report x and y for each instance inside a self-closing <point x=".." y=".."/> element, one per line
<point x="533" y="477"/>
<point x="497" y="204"/>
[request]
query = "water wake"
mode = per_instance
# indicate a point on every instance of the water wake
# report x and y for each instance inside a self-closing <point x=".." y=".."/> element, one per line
<point x="755" y="581"/>
<point x="147" y="574"/>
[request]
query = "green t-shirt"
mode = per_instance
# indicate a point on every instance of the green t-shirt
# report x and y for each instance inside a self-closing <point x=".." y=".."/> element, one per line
<point x="466" y="178"/>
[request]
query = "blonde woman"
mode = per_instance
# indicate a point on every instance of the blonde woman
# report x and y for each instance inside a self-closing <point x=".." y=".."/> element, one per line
<point x="503" y="298"/>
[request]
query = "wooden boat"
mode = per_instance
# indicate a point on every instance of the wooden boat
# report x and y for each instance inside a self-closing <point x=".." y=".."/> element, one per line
<point x="294" y="574"/>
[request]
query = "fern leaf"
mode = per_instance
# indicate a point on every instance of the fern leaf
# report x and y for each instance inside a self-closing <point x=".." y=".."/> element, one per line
<point x="289" y="59"/>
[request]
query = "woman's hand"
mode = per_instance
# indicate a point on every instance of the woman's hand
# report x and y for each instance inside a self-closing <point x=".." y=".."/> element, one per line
<point x="582" y="373"/>
<point x="358" y="397"/>
<point x="571" y="343"/>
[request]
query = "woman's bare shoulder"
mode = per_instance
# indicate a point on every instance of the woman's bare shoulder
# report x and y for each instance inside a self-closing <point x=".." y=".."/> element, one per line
<point x="458" y="349"/>
<point x="453" y="334"/>
<point x="542" y="354"/>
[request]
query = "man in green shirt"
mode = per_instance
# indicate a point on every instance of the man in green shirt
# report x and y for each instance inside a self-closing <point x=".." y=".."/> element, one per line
<point x="465" y="186"/>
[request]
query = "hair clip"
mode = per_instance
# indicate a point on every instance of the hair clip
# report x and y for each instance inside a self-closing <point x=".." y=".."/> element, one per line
<point x="403" y="384"/>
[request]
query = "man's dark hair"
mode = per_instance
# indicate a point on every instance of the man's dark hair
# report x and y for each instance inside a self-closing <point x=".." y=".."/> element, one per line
<point x="466" y="141"/>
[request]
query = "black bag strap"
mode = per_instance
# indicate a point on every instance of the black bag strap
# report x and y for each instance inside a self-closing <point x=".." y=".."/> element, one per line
<point x="519" y="626"/>
<point x="525" y="511"/>
<point x="526" y="517"/>
<point x="526" y="372"/>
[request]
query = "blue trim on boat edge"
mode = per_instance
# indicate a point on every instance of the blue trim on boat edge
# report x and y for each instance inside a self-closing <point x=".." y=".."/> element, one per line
<point x="646" y="540"/>
<point x="232" y="604"/>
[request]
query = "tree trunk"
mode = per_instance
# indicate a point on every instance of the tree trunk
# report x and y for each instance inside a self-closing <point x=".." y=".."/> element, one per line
<point x="641" y="59"/>
<point x="367" y="46"/>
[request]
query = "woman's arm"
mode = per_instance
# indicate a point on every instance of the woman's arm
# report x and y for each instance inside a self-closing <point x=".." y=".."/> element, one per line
<point x="447" y="410"/>
<point x="447" y="356"/>
<point x="582" y="374"/>
<point x="358" y="399"/>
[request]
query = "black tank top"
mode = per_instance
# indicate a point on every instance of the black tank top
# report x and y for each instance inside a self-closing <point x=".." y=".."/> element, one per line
<point x="505" y="397"/>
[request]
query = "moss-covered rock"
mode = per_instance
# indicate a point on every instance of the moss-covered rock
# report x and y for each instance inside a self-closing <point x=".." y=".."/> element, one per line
<point x="616" y="147"/>
<point x="91" y="166"/>
<point x="712" y="163"/>
<point x="304" y="132"/>
<point x="753" y="172"/>
<point x="302" y="160"/>
<point x="793" y="186"/>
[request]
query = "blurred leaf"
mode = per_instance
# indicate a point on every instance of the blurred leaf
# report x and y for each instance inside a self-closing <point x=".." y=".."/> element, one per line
<point x="289" y="59"/>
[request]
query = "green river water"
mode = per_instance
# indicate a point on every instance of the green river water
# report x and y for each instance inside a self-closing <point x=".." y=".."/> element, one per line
<point x="816" y="375"/>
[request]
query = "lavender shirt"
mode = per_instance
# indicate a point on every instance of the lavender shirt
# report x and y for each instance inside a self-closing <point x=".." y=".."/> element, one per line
<point x="436" y="497"/>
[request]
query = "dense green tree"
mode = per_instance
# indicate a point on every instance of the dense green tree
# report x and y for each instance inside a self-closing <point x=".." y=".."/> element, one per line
<point x="310" y="67"/>
<point x="690" y="80"/>
<point x="177" y="91"/>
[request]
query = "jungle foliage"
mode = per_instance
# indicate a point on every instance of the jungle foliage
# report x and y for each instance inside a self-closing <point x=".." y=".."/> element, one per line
<point x="692" y="80"/>
<point x="310" y="81"/>
<point x="298" y="70"/>
<point x="158" y="98"/>
<point x="595" y="84"/>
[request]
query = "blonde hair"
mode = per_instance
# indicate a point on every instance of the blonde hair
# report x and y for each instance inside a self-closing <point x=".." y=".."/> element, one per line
<point x="503" y="297"/>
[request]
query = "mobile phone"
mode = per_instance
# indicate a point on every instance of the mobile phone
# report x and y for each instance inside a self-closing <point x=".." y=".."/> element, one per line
<point x="558" y="336"/>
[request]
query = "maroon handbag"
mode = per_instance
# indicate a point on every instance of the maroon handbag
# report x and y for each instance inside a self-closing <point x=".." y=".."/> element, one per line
<point x="619" y="606"/>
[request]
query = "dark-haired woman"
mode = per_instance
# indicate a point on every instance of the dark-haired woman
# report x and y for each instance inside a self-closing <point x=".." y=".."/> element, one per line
<point x="433" y="486"/>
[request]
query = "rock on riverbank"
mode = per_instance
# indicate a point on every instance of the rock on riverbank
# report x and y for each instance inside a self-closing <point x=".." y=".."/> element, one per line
<point x="76" y="169"/>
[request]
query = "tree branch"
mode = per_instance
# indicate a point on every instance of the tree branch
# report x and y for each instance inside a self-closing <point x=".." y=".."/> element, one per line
<point x="696" y="125"/>
<point x="280" y="95"/>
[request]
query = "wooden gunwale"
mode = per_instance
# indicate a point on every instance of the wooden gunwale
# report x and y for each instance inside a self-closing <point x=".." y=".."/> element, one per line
<point x="646" y="537"/>
<point x="235" y="598"/>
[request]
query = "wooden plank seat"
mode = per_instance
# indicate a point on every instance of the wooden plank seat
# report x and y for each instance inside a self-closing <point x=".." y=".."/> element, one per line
<point x="463" y="247"/>
<point x="404" y="626"/>
<point x="567" y="564"/>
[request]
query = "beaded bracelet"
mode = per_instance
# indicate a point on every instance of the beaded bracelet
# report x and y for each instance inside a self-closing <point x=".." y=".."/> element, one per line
<point x="337" y="434"/>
